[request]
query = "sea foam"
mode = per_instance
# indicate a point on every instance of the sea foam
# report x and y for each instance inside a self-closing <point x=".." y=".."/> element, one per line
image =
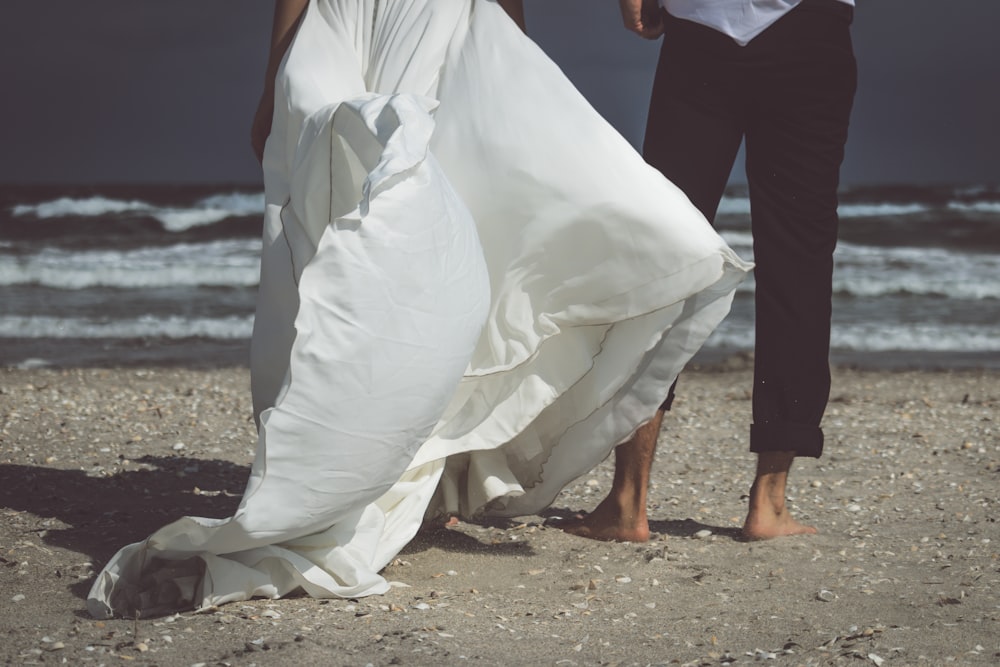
<point x="228" y="263"/>
<point x="206" y="211"/>
<point x="87" y="207"/>
<point x="40" y="326"/>
<point x="975" y="207"/>
<point x="881" y="337"/>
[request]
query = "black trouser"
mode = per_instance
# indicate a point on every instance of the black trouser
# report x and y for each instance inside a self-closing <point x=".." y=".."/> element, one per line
<point x="789" y="94"/>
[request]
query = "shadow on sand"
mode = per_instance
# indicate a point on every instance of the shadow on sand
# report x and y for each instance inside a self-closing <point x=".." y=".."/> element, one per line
<point x="101" y="514"/>
<point x="672" y="528"/>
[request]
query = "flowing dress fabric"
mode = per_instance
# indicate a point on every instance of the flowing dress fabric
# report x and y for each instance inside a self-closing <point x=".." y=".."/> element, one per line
<point x="472" y="288"/>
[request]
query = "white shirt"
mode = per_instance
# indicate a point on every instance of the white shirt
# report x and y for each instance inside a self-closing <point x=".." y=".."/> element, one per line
<point x="740" y="19"/>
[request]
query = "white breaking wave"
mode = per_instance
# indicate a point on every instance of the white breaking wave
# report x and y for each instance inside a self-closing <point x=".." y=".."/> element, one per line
<point x="917" y="285"/>
<point x="88" y="207"/>
<point x="206" y="211"/>
<point x="879" y="337"/>
<point x="869" y="271"/>
<point x="975" y="207"/>
<point x="872" y="271"/>
<point x="179" y="220"/>
<point x="228" y="263"/>
<point x="880" y="210"/>
<point x="210" y="210"/>
<point x="240" y="203"/>
<point x="741" y="206"/>
<point x="934" y="337"/>
<point x="174" y="327"/>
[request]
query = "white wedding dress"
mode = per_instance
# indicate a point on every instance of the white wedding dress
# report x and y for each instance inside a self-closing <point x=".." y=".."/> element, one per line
<point x="472" y="288"/>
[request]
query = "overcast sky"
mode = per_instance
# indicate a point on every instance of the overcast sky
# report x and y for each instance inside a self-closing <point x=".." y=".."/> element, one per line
<point x="107" y="91"/>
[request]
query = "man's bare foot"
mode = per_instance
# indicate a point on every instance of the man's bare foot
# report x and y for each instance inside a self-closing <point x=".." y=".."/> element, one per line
<point x="768" y="517"/>
<point x="765" y="523"/>
<point x="608" y="523"/>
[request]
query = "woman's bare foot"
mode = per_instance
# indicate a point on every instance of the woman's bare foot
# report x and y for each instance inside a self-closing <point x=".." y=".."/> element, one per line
<point x="621" y="517"/>
<point x="609" y="522"/>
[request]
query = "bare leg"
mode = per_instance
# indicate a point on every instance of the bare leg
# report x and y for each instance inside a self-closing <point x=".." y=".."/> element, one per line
<point x="621" y="516"/>
<point x="768" y="516"/>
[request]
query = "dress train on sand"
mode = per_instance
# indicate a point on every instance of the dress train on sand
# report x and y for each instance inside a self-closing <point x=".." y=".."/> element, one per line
<point x="472" y="288"/>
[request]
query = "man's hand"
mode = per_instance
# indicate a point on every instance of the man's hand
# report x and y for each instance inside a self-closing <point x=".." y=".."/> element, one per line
<point x="642" y="17"/>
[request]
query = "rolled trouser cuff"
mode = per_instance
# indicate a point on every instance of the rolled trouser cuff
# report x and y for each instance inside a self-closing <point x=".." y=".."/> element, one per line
<point x="787" y="437"/>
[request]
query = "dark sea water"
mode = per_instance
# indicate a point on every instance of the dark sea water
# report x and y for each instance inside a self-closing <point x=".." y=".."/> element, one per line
<point x="168" y="275"/>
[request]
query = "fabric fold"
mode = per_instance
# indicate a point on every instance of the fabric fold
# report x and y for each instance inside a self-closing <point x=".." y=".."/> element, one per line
<point x="391" y="299"/>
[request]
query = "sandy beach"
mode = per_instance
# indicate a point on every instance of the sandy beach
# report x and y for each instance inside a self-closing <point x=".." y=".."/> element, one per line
<point x="904" y="571"/>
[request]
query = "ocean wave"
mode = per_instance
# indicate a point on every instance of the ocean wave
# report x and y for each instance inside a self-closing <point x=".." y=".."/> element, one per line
<point x="742" y="242"/>
<point x="731" y="205"/>
<point x="861" y="287"/>
<point x="976" y="191"/>
<point x="84" y="208"/>
<point x="918" y="270"/>
<point x="211" y="210"/>
<point x="975" y="207"/>
<point x="230" y="263"/>
<point x="916" y="337"/>
<point x="870" y="271"/>
<point x="914" y="285"/>
<point x="183" y="219"/>
<point x="206" y="211"/>
<point x="174" y="327"/>
<point x="880" y="337"/>
<point x="882" y="210"/>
